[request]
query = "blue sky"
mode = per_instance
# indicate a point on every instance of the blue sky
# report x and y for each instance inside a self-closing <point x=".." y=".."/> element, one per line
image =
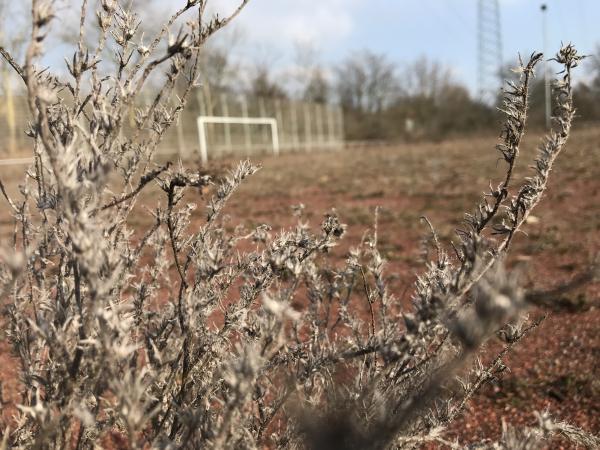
<point x="443" y="30"/>
<point x="270" y="31"/>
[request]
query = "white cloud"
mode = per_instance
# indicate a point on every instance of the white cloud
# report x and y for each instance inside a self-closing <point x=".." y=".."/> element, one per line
<point x="283" y="23"/>
<point x="328" y="21"/>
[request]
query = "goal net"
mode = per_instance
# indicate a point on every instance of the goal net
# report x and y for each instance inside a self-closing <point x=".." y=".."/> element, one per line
<point x="245" y="121"/>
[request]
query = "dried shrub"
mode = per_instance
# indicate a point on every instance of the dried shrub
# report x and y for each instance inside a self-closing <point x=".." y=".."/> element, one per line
<point x="173" y="336"/>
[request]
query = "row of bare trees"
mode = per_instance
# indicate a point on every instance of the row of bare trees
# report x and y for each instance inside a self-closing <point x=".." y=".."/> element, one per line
<point x="380" y="98"/>
<point x="385" y="100"/>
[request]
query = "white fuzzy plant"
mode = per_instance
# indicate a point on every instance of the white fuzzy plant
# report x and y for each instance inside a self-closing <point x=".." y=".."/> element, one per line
<point x="171" y="336"/>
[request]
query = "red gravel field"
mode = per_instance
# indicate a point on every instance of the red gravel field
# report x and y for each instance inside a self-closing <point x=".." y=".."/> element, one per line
<point x="556" y="367"/>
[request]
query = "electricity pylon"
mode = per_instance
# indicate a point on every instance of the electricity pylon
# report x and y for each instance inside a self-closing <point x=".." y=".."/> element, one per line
<point x="489" y="49"/>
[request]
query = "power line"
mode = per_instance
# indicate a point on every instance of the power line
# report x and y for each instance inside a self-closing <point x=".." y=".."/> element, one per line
<point x="466" y="24"/>
<point x="442" y="20"/>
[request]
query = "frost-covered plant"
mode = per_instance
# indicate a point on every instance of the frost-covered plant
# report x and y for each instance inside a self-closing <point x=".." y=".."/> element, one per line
<point x="175" y="335"/>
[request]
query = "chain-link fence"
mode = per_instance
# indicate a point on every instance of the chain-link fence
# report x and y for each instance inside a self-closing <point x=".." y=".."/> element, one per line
<point x="301" y="126"/>
<point x="14" y="115"/>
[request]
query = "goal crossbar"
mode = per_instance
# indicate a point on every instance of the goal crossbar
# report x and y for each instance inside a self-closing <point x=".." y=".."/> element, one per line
<point x="203" y="120"/>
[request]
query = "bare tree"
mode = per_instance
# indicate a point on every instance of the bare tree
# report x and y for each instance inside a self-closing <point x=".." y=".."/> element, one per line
<point x="594" y="69"/>
<point x="426" y="78"/>
<point x="317" y="88"/>
<point x="366" y="82"/>
<point x="310" y="75"/>
<point x="217" y="68"/>
<point x="262" y="83"/>
<point x="587" y="92"/>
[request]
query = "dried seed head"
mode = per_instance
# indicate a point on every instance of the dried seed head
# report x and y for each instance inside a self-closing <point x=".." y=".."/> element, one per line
<point x="109" y="6"/>
<point x="332" y="225"/>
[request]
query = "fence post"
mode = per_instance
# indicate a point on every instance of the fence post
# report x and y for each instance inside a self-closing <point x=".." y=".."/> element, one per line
<point x="294" y="121"/>
<point x="10" y="113"/>
<point x="225" y="111"/>
<point x="180" y="135"/>
<point x="202" y="141"/>
<point x="209" y="112"/>
<point x="262" y="112"/>
<point x="319" y="120"/>
<point x="247" y="137"/>
<point x="342" y="133"/>
<point x="330" y="127"/>
<point x="279" y="118"/>
<point x="275" y="136"/>
<point x="202" y="106"/>
<point x="307" y="128"/>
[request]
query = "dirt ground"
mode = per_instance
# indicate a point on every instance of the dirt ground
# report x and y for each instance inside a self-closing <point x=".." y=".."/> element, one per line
<point x="558" y="366"/>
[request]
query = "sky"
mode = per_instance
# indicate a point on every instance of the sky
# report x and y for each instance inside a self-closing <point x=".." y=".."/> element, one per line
<point x="271" y="31"/>
<point x="404" y="30"/>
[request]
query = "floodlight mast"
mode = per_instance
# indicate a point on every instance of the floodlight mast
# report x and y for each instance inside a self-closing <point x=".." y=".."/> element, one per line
<point x="489" y="50"/>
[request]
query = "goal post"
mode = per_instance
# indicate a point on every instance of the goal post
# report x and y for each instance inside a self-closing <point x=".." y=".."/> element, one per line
<point x="204" y="120"/>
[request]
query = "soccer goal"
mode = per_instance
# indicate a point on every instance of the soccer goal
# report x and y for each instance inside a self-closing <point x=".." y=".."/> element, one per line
<point x="204" y="120"/>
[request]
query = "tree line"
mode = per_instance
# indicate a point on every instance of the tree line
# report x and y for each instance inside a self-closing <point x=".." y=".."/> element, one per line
<point x="383" y="101"/>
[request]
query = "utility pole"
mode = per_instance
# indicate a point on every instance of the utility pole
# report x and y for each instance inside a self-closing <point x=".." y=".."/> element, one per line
<point x="489" y="49"/>
<point x="547" y="92"/>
